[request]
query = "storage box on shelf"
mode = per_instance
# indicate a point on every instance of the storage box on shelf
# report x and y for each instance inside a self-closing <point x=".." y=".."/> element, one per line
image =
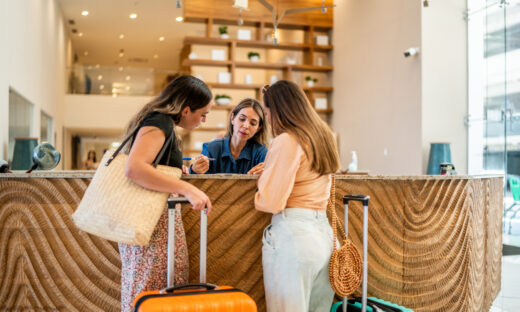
<point x="293" y="58"/>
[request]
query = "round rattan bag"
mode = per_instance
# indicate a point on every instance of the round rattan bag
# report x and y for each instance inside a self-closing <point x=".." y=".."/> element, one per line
<point x="345" y="263"/>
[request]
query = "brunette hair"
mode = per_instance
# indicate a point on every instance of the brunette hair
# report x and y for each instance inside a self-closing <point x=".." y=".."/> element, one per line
<point x="92" y="152"/>
<point x="184" y="91"/>
<point x="261" y="134"/>
<point x="291" y="112"/>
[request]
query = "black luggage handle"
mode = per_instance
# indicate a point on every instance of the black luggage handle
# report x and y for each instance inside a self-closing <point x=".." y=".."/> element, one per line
<point x="207" y="286"/>
<point x="172" y="201"/>
<point x="356" y="197"/>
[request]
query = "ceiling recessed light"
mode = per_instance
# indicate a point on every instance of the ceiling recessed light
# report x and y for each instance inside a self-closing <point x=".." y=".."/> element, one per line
<point x="121" y="36"/>
<point x="101" y="87"/>
<point x="121" y="54"/>
<point x="133" y="15"/>
<point x="161" y="38"/>
<point x="84" y="13"/>
<point x="179" y="19"/>
<point x="121" y="68"/>
<point x="155" y="56"/>
<point x="85" y="53"/>
<point x="80" y="34"/>
<point x="99" y="77"/>
<point x="128" y="78"/>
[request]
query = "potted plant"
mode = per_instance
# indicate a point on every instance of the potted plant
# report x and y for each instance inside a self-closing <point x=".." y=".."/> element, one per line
<point x="223" y="32"/>
<point x="222" y="99"/>
<point x="310" y="81"/>
<point x="253" y="56"/>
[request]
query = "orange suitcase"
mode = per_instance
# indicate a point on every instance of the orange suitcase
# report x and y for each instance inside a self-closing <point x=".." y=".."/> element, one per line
<point x="192" y="297"/>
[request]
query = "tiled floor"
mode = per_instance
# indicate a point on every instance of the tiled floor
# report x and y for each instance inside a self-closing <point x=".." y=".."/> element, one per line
<point x="508" y="299"/>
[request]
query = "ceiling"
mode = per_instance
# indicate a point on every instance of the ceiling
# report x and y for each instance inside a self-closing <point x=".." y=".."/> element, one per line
<point x="97" y="37"/>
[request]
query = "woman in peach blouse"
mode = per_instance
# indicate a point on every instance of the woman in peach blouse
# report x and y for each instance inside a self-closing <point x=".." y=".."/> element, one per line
<point x="295" y="187"/>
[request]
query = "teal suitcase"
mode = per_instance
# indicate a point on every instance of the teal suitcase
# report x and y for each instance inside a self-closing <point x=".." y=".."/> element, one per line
<point x="373" y="305"/>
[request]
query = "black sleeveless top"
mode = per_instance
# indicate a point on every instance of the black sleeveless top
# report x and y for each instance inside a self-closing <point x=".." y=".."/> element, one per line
<point x="166" y="124"/>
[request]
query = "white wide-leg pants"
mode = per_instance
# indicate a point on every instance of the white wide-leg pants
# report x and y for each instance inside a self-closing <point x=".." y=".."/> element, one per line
<point x="297" y="246"/>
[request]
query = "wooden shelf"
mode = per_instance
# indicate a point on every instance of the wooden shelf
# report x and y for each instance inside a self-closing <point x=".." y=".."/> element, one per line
<point x="324" y="111"/>
<point x="191" y="151"/>
<point x="318" y="89"/>
<point x="258" y="44"/>
<point x="260" y="65"/>
<point x="312" y="68"/>
<point x="188" y="62"/>
<point x="208" y="129"/>
<point x="300" y="67"/>
<point x="222" y="107"/>
<point x="217" y="85"/>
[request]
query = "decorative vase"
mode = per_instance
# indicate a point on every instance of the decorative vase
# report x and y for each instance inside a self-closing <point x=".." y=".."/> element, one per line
<point x="22" y="155"/>
<point x="310" y="83"/>
<point x="439" y="153"/>
<point x="254" y="58"/>
<point x="224" y="36"/>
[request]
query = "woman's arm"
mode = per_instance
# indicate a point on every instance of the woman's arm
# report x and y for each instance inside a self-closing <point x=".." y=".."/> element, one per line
<point x="139" y="169"/>
<point x="277" y="181"/>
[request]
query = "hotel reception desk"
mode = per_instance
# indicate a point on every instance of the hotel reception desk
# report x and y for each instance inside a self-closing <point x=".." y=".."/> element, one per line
<point x="435" y="242"/>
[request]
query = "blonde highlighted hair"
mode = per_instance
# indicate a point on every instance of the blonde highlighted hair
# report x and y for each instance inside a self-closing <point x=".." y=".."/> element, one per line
<point x="291" y="112"/>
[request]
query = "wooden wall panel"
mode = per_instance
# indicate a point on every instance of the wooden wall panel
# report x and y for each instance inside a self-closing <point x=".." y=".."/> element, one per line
<point x="434" y="244"/>
<point x="222" y="9"/>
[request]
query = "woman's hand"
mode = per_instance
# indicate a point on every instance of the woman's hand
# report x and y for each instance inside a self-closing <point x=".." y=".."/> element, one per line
<point x="258" y="169"/>
<point x="201" y="165"/>
<point x="198" y="199"/>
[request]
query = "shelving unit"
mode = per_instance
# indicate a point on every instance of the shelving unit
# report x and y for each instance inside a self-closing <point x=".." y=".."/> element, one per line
<point x="307" y="51"/>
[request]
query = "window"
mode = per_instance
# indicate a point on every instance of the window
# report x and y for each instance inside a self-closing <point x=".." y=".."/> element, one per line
<point x="20" y="119"/>
<point x="46" y="128"/>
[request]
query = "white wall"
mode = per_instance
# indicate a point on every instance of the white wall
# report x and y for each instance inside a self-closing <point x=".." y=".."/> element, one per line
<point x="444" y="79"/>
<point x="32" y="62"/>
<point x="377" y="92"/>
<point x="101" y="111"/>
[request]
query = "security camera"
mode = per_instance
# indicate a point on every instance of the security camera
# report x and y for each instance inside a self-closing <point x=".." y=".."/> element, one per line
<point x="411" y="52"/>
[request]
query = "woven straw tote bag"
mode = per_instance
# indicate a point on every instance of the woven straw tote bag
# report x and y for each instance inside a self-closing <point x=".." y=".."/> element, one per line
<point x="345" y="263"/>
<point x="115" y="208"/>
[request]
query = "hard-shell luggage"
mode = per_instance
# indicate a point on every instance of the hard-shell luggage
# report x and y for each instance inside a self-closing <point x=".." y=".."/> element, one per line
<point x="364" y="304"/>
<point x="191" y="297"/>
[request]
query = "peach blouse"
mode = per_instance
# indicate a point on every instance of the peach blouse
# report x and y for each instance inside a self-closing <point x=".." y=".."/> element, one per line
<point x="287" y="180"/>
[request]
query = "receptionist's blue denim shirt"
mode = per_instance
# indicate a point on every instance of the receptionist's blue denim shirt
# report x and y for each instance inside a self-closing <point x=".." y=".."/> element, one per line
<point x="252" y="154"/>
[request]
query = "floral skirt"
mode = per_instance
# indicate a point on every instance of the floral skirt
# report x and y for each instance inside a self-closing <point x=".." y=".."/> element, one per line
<point x="145" y="267"/>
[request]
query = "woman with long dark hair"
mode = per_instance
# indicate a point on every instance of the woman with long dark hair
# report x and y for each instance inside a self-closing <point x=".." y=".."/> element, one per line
<point x="185" y="102"/>
<point x="295" y="188"/>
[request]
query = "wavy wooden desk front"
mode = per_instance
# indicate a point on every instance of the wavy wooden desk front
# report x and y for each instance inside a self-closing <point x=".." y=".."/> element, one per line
<point x="434" y="242"/>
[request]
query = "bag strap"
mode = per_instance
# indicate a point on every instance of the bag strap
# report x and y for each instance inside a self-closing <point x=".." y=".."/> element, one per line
<point x="167" y="143"/>
<point x="331" y="205"/>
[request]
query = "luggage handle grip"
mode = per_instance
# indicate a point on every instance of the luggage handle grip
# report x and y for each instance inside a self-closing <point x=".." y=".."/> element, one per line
<point x="172" y="201"/>
<point x="356" y="197"/>
<point x="191" y="285"/>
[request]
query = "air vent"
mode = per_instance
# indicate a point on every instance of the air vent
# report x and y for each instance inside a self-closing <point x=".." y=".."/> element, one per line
<point x="138" y="60"/>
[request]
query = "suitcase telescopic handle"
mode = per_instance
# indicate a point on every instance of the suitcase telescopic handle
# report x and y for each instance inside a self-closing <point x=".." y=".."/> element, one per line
<point x="364" y="199"/>
<point x="190" y="286"/>
<point x="172" y="204"/>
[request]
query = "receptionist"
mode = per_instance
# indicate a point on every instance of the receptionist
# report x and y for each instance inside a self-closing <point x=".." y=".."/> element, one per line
<point x="243" y="149"/>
